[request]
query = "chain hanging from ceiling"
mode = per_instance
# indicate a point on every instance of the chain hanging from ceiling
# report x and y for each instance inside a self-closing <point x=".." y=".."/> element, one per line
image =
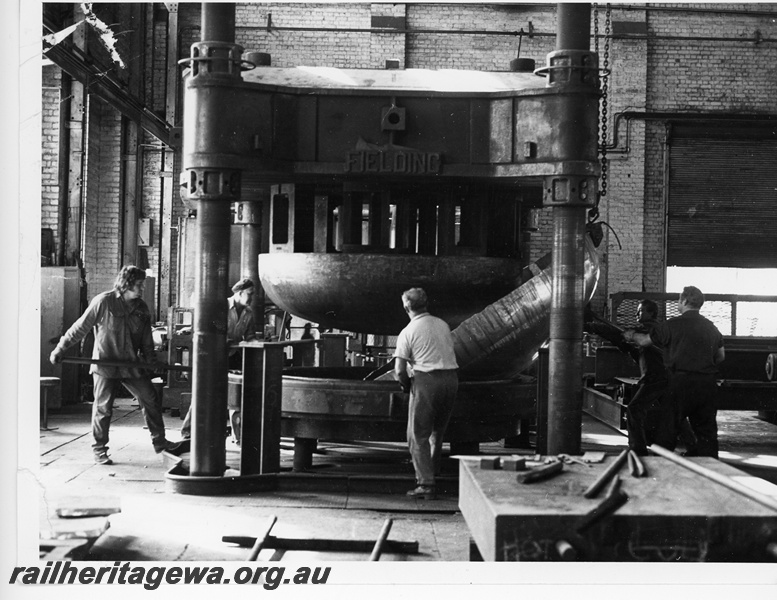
<point x="593" y="214"/>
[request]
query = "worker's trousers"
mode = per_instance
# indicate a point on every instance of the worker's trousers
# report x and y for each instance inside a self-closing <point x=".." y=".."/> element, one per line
<point x="431" y="403"/>
<point x="105" y="390"/>
<point x="645" y="401"/>
<point x="690" y="395"/>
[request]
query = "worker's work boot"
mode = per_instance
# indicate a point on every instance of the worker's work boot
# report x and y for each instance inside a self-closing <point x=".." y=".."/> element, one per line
<point x="102" y="458"/>
<point x="423" y="492"/>
<point x="160" y="447"/>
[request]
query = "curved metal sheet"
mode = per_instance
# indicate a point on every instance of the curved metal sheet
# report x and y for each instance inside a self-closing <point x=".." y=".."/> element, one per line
<point x="362" y="292"/>
<point x="504" y="338"/>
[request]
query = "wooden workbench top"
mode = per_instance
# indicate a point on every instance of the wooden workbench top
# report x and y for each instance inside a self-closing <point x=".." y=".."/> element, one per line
<point x="677" y="510"/>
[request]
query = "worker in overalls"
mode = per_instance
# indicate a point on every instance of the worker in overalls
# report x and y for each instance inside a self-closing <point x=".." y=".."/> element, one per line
<point x="122" y="333"/>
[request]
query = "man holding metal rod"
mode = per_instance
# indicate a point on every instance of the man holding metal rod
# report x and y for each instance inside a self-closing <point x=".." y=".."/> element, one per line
<point x="122" y="334"/>
<point x="693" y="349"/>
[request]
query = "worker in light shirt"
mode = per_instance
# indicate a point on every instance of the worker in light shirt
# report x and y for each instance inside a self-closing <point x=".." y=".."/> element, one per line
<point x="425" y="365"/>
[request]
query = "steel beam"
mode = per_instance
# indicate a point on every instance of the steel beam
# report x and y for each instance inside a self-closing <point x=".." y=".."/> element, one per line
<point x="169" y="182"/>
<point x="100" y="83"/>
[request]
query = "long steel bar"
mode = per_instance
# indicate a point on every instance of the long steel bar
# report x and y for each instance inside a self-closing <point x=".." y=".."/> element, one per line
<point x="565" y="395"/>
<point x="322" y="545"/>
<point x="261" y="540"/>
<point x="716" y="477"/>
<point x="384" y="532"/>
<point x="101" y="84"/>
<point x="81" y="360"/>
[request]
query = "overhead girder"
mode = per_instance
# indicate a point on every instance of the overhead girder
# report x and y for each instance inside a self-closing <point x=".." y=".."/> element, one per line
<point x="90" y="74"/>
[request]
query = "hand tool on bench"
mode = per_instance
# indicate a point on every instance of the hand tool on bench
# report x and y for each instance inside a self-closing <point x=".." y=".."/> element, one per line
<point x="540" y="473"/>
<point x="636" y="466"/>
<point x="611" y="470"/>
<point x="82" y="360"/>
<point x="613" y="500"/>
<point x="568" y="459"/>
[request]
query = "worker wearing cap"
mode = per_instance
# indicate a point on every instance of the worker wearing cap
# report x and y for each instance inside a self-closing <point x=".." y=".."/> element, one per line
<point x="122" y="332"/>
<point x="240" y="327"/>
<point x="693" y="349"/>
<point x="240" y="319"/>
<point x="426" y="367"/>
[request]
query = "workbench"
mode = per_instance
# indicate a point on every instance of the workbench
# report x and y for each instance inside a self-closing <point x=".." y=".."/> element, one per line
<point x="672" y="514"/>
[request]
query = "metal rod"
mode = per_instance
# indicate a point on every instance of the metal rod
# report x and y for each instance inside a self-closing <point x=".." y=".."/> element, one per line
<point x="716" y="477"/>
<point x="611" y="470"/>
<point x="606" y="507"/>
<point x="322" y="545"/>
<point x="378" y="549"/>
<point x="259" y="543"/>
<point x="79" y="360"/>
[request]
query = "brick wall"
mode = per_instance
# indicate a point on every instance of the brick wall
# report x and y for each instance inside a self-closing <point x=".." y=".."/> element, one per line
<point x="103" y="234"/>
<point x="621" y="253"/>
<point x="50" y="115"/>
<point x="736" y="76"/>
<point x="707" y="76"/>
<point x="389" y="45"/>
<point x="310" y="48"/>
<point x="478" y="51"/>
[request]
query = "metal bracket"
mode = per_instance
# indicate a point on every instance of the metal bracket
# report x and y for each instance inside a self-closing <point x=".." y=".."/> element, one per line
<point x="569" y="190"/>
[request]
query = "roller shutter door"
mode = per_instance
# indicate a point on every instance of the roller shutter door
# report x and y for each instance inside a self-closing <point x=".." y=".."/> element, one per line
<point x="722" y="201"/>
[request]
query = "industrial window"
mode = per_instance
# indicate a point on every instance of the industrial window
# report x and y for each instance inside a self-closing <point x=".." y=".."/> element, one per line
<point x="751" y="318"/>
<point x="721" y="229"/>
<point x="721" y="197"/>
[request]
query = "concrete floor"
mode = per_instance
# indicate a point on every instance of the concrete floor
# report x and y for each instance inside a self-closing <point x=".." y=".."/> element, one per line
<point x="157" y="524"/>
